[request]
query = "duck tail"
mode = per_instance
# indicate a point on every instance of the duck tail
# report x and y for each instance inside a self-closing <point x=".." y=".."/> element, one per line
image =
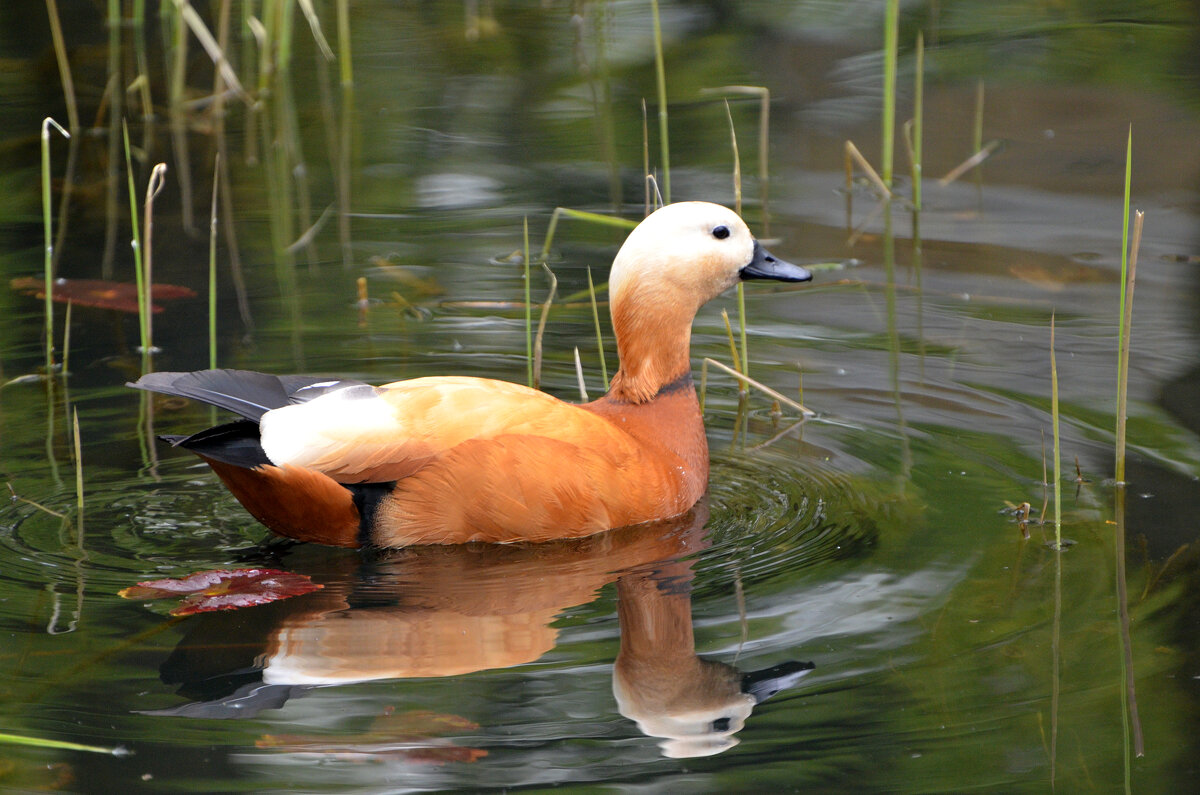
<point x="244" y="392"/>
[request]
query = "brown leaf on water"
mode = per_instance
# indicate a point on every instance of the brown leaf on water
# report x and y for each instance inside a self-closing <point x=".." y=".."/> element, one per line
<point x="224" y="589"/>
<point x="121" y="296"/>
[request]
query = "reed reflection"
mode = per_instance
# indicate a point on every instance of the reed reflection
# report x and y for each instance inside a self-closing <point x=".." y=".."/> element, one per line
<point x="425" y="612"/>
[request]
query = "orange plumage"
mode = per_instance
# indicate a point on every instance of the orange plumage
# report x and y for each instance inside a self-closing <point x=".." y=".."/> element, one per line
<point x="456" y="459"/>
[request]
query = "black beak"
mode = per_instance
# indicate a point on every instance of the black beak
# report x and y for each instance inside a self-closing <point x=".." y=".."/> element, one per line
<point x="764" y="266"/>
<point x="769" y="681"/>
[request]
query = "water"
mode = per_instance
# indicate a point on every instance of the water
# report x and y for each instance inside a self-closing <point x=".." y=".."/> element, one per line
<point x="866" y="559"/>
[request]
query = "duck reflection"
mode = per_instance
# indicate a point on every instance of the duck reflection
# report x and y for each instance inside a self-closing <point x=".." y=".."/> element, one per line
<point x="451" y="610"/>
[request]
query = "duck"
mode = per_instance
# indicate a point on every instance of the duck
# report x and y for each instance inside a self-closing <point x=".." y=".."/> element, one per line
<point x="457" y="459"/>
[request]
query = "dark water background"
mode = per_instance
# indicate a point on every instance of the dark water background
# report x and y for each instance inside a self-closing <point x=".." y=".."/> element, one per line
<point x="873" y="540"/>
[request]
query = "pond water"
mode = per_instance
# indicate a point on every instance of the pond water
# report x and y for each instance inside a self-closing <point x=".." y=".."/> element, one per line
<point x="866" y="562"/>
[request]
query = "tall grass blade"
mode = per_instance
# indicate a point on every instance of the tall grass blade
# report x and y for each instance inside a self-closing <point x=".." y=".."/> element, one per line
<point x="139" y="275"/>
<point x="733" y="351"/>
<point x="68" y="85"/>
<point x="1126" y="334"/>
<point x="39" y="742"/>
<point x="596" y="321"/>
<point x="212" y="268"/>
<point x="116" y="112"/>
<point x="64" y="65"/>
<point x="153" y="188"/>
<point x="66" y="349"/>
<point x="346" y="134"/>
<point x="1122" y="353"/>
<point x="737" y="198"/>
<point x="1057" y="451"/>
<point x="764" y="122"/>
<point x="177" y="116"/>
<point x="645" y="157"/>
<point x="918" y="121"/>
<point x="541" y="330"/>
<point x="977" y="131"/>
<point x="660" y="76"/>
<point x="78" y="477"/>
<point x="528" y="311"/>
<point x="579" y="215"/>
<point x="891" y="34"/>
<point x="47" y="224"/>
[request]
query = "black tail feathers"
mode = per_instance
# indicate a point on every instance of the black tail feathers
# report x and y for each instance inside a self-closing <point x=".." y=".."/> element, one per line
<point x="243" y="392"/>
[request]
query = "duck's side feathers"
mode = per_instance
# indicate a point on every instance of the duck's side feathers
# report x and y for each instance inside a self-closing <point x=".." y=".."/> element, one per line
<point x="296" y="503"/>
<point x="244" y="392"/>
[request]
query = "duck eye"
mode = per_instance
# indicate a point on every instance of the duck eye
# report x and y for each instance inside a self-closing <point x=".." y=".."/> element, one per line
<point x="721" y="232"/>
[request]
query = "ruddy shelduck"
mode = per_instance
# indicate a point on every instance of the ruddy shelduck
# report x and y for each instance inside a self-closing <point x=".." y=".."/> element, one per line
<point x="452" y="459"/>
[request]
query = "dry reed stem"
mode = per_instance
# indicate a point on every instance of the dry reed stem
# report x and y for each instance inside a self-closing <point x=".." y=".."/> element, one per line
<point x="579" y="376"/>
<point x="761" y="387"/>
<point x="852" y="156"/>
<point x="153" y="188"/>
<point x="314" y="23"/>
<point x="38" y="505"/>
<point x="970" y="163"/>
<point x="202" y="34"/>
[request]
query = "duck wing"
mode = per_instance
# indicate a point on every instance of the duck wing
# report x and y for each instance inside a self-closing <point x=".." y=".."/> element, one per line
<point x="244" y="392"/>
<point x="376" y="434"/>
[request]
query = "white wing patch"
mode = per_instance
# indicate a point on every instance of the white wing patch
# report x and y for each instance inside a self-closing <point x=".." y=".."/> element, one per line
<point x="304" y="432"/>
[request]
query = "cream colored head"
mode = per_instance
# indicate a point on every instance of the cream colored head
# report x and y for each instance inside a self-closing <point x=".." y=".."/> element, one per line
<point x="683" y="255"/>
<point x="676" y="260"/>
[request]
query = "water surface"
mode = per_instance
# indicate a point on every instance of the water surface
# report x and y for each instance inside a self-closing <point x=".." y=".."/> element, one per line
<point x="864" y="561"/>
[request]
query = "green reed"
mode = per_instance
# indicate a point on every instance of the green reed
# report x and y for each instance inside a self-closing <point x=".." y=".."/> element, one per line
<point x="47" y="224"/>
<point x="1125" y="308"/>
<point x="579" y="215"/>
<point x="977" y="131"/>
<point x="891" y="33"/>
<point x="39" y="742"/>
<point x="541" y="329"/>
<point x="1057" y="453"/>
<point x="660" y="75"/>
<point x="737" y="200"/>
<point x="596" y="322"/>
<point x="66" y="349"/>
<point x="212" y="268"/>
<point x="528" y="310"/>
<point x="139" y="274"/>
<point x="78" y="477"/>
<point x="915" y="143"/>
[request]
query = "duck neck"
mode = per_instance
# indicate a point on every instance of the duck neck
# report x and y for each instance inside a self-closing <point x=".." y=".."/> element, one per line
<point x="654" y="348"/>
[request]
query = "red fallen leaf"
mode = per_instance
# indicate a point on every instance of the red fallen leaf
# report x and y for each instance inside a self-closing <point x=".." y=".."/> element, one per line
<point x="224" y="589"/>
<point x="121" y="296"/>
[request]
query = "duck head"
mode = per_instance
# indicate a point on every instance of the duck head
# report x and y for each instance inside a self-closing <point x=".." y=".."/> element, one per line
<point x="676" y="260"/>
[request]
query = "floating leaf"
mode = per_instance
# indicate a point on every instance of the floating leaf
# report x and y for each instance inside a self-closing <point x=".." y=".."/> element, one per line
<point x="121" y="296"/>
<point x="224" y="589"/>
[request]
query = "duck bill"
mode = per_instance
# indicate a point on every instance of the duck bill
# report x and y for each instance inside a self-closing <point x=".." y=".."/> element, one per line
<point x="764" y="265"/>
<point x="763" y="684"/>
